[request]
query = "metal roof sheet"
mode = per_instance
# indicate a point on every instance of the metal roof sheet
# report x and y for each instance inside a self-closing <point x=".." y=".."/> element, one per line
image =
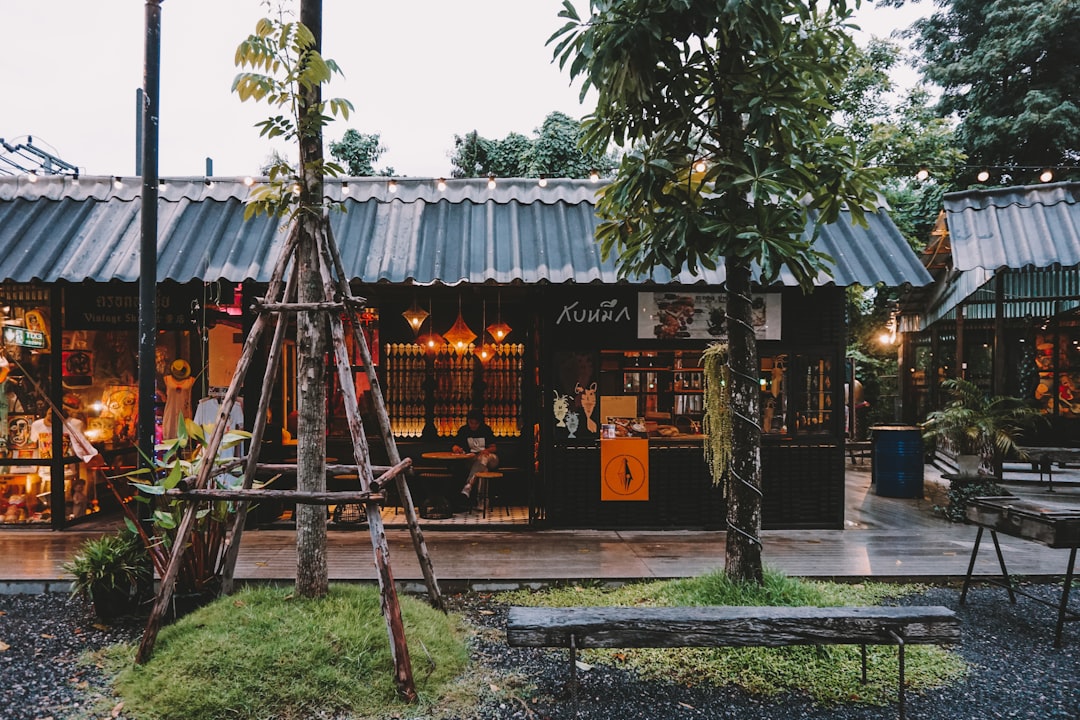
<point x="60" y="228"/>
<point x="1015" y="227"/>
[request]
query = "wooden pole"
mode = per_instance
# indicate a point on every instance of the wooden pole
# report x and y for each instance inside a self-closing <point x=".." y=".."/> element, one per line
<point x="419" y="544"/>
<point x="168" y="580"/>
<point x="228" y="566"/>
<point x="391" y="608"/>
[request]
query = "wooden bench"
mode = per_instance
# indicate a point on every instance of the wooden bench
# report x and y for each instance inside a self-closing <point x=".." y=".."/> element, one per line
<point x="731" y="626"/>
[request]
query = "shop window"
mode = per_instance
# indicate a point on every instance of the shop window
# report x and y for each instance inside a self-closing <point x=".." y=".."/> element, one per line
<point x="798" y="395"/>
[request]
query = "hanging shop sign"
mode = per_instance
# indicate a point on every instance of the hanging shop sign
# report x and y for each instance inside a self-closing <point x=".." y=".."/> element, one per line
<point x="24" y="338"/>
<point x="114" y="306"/>
<point x="675" y="316"/>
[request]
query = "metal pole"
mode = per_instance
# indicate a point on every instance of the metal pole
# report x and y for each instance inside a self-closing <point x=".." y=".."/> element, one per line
<point x="148" y="246"/>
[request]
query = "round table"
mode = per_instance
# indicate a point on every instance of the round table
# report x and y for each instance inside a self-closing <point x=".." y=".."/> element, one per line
<point x="456" y="467"/>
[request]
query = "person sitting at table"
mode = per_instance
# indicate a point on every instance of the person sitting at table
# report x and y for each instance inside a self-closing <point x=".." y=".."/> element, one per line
<point x="476" y="437"/>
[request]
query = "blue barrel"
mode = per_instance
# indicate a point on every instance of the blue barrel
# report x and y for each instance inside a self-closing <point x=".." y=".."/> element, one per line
<point x="897" y="460"/>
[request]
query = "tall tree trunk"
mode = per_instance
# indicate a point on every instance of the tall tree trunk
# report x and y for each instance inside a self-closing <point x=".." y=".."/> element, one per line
<point x="312" y="341"/>
<point x="743" y="546"/>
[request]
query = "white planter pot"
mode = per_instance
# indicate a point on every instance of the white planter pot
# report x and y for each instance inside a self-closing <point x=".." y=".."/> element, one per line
<point x="968" y="465"/>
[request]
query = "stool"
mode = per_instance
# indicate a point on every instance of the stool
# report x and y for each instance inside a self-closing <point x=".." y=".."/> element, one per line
<point x="353" y="513"/>
<point x="483" y="492"/>
<point x="435" y="506"/>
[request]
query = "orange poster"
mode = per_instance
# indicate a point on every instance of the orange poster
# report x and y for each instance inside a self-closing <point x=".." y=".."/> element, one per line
<point x="624" y="469"/>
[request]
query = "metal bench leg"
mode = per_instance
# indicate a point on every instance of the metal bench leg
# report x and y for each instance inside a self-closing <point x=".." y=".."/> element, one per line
<point x="1004" y="571"/>
<point x="1062" y="610"/>
<point x="971" y="565"/>
<point x="900" y="658"/>
<point x="573" y="674"/>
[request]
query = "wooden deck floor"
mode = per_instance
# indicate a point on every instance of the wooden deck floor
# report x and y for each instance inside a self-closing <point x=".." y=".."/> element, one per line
<point x="884" y="538"/>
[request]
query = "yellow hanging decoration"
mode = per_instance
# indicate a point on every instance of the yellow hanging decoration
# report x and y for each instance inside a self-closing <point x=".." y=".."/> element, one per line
<point x="716" y="424"/>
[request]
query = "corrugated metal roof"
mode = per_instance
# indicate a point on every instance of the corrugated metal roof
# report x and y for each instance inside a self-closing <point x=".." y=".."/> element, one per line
<point x="63" y="229"/>
<point x="1015" y="227"/>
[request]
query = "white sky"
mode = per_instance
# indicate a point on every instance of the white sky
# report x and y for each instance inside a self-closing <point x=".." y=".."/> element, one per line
<point x="417" y="71"/>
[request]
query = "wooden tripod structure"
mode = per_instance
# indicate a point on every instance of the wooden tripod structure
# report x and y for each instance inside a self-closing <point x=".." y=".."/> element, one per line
<point x="277" y="303"/>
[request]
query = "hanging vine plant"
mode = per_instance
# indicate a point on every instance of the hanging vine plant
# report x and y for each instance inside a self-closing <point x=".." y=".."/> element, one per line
<point x="716" y="423"/>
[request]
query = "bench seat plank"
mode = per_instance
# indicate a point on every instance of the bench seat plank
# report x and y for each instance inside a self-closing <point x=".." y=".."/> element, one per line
<point x="734" y="626"/>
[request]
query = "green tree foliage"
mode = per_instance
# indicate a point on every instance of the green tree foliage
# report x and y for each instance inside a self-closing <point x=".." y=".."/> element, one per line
<point x="728" y="107"/>
<point x="359" y="152"/>
<point x="900" y="136"/>
<point x="1010" y="71"/>
<point x="554" y="152"/>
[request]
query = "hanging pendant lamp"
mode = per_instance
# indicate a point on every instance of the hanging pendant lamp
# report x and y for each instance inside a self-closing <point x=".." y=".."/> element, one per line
<point x="415" y="316"/>
<point x="498" y="329"/>
<point x="430" y="341"/>
<point x="459" y="335"/>
<point x="486" y="351"/>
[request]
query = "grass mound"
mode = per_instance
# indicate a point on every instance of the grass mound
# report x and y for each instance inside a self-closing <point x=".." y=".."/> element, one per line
<point x="828" y="674"/>
<point x="264" y="653"/>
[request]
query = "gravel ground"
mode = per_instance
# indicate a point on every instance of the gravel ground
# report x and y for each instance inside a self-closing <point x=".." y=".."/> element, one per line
<point x="1017" y="673"/>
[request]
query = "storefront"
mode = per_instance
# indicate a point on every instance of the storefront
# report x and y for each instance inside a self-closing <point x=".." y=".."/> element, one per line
<point x="69" y="406"/>
<point x="1004" y="311"/>
<point x="491" y="299"/>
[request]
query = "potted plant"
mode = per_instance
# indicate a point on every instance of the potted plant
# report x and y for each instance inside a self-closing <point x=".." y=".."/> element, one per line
<point x="981" y="430"/>
<point x="112" y="572"/>
<point x="175" y="461"/>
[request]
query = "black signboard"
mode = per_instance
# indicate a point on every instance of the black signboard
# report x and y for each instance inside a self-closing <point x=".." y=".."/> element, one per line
<point x="112" y="306"/>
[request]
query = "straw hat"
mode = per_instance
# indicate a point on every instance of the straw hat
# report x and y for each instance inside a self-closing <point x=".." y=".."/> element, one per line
<point x="180" y="369"/>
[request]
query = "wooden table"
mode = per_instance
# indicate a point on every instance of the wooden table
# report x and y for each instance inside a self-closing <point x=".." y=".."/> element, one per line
<point x="1043" y="459"/>
<point x="1026" y="520"/>
<point x="455" y="464"/>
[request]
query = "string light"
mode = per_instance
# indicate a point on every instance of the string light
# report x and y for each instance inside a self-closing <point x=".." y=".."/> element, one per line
<point x="345" y="188"/>
<point x="922" y="175"/>
<point x="249" y="181"/>
<point x="441" y="184"/>
<point x="392" y="186"/>
<point x="32" y="177"/>
<point x="700" y="166"/>
<point x="983" y="175"/>
<point x="491" y="182"/>
<point x="118" y="182"/>
<point x="543" y="181"/>
<point x="594" y="175"/>
<point x="1046" y="175"/>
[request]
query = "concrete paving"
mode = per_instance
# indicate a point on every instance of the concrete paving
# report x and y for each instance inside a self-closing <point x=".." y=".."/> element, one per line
<point x="884" y="538"/>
